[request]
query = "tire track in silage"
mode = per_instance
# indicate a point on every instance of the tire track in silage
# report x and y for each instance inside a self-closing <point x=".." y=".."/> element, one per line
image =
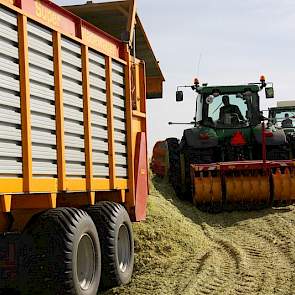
<point x="269" y="257"/>
<point x="242" y="280"/>
<point x="208" y="275"/>
<point x="282" y="234"/>
<point x="211" y="277"/>
<point x="212" y="273"/>
<point x="255" y="276"/>
<point x="251" y="257"/>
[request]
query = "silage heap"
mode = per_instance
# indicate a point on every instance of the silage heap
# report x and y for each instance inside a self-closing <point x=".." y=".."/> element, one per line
<point x="180" y="250"/>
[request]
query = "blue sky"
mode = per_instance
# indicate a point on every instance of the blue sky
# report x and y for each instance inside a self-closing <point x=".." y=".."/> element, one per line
<point x="238" y="41"/>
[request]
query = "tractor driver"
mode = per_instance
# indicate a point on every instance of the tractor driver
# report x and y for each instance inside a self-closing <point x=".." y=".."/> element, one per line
<point x="287" y="122"/>
<point x="229" y="109"/>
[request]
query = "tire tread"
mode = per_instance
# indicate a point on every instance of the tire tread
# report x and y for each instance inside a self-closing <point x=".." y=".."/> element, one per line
<point x="56" y="275"/>
<point x="104" y="215"/>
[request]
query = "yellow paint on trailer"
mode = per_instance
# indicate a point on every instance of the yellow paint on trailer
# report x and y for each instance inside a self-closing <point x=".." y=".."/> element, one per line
<point x="44" y="185"/>
<point x="130" y="196"/>
<point x="91" y="198"/>
<point x="142" y="86"/>
<point x="11" y="2"/>
<point x="110" y="116"/>
<point x="87" y="118"/>
<point x="143" y="109"/>
<point x="11" y="185"/>
<point x="139" y="114"/>
<point x="5" y="203"/>
<point x="137" y="125"/>
<point x="101" y="184"/>
<point x="121" y="184"/>
<point x="135" y="88"/>
<point x="75" y="184"/>
<point x="25" y="102"/>
<point x="59" y="112"/>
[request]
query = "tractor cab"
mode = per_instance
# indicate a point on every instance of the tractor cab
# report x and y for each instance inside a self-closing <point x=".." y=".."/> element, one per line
<point x="228" y="107"/>
<point x="283" y="117"/>
<point x="227" y="123"/>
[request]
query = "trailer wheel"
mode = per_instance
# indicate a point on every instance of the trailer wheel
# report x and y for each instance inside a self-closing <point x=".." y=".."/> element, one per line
<point x="117" y="244"/>
<point x="60" y="254"/>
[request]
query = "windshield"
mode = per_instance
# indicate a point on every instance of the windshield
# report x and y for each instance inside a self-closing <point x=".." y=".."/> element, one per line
<point x="228" y="111"/>
<point x="284" y="118"/>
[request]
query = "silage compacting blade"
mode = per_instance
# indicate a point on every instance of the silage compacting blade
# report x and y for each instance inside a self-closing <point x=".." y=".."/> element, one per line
<point x="243" y="185"/>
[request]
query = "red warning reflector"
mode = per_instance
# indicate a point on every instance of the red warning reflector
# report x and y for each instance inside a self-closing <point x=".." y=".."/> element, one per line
<point x="238" y="139"/>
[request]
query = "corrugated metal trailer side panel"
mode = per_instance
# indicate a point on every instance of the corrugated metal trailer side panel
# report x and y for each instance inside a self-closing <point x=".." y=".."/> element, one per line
<point x="119" y="104"/>
<point x="98" y="109"/>
<point x="41" y="103"/>
<point x="10" y="118"/>
<point x="44" y="157"/>
<point x="66" y="118"/>
<point x="73" y="107"/>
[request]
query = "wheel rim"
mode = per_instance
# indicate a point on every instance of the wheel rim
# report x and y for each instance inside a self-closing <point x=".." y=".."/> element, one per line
<point x="124" y="247"/>
<point x="86" y="265"/>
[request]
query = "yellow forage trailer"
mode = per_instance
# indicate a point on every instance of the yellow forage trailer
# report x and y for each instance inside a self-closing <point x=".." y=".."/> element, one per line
<point x="73" y="156"/>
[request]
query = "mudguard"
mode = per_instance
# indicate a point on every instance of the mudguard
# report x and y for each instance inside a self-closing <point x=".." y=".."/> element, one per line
<point x="278" y="136"/>
<point x="201" y="137"/>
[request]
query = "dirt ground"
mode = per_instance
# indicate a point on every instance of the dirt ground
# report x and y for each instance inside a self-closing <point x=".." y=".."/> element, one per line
<point x="180" y="250"/>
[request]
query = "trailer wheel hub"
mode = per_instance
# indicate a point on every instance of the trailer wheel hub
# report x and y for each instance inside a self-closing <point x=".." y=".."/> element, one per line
<point x="86" y="262"/>
<point x="124" y="248"/>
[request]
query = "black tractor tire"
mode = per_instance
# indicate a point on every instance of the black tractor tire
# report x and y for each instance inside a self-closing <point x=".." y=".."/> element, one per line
<point x="174" y="157"/>
<point x="174" y="172"/>
<point x="278" y="153"/>
<point x="117" y="243"/>
<point x="8" y="266"/>
<point x="273" y="153"/>
<point x="60" y="254"/>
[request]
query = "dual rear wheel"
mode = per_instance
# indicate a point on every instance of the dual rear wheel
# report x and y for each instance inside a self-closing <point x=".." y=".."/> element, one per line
<point x="70" y="251"/>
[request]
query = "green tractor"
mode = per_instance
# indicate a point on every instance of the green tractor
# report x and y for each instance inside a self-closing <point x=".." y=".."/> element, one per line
<point x="283" y="116"/>
<point x="227" y="128"/>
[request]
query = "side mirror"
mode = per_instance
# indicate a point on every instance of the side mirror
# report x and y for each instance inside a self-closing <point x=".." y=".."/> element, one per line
<point x="179" y="96"/>
<point x="269" y="92"/>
